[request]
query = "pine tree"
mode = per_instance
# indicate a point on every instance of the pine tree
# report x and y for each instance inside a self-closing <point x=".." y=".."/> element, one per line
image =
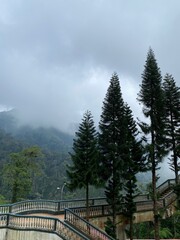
<point x="111" y="145"/>
<point x="135" y="162"/>
<point x="83" y="171"/>
<point x="172" y="105"/>
<point x="152" y="98"/>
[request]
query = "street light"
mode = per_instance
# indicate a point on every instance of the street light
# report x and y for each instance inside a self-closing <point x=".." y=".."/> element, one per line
<point x="62" y="189"/>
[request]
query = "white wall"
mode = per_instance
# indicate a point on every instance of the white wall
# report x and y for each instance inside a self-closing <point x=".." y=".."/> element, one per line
<point x="8" y="234"/>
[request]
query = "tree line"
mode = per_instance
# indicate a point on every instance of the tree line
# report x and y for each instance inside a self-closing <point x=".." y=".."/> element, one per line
<point x="39" y="177"/>
<point x="122" y="147"/>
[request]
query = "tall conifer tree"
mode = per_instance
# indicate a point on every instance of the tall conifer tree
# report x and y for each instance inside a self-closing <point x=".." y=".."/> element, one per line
<point x="121" y="155"/>
<point x="172" y="105"/>
<point x="111" y="144"/>
<point x="83" y="171"/>
<point x="134" y="163"/>
<point x="152" y="98"/>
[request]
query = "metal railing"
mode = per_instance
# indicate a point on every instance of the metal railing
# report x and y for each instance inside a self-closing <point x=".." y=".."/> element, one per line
<point x="45" y="224"/>
<point x="56" y="207"/>
<point x="141" y="206"/>
<point x="84" y="226"/>
<point x="165" y="186"/>
<point x="48" y="206"/>
<point x="75" y="215"/>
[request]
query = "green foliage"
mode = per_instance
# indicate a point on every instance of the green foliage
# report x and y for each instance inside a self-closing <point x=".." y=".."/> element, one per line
<point x="110" y="228"/>
<point x="140" y="231"/>
<point x="83" y="171"/>
<point x="2" y="200"/>
<point x="176" y="224"/>
<point x="164" y="233"/>
<point x="54" y="144"/>
<point x="50" y="139"/>
<point x="111" y="144"/>
<point x="121" y="153"/>
<point x="151" y="96"/>
<point x="84" y="156"/>
<point x="19" y="172"/>
<point x="172" y="104"/>
<point x="134" y="163"/>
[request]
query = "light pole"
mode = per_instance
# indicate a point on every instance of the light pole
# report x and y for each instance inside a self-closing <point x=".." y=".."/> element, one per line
<point x="62" y="189"/>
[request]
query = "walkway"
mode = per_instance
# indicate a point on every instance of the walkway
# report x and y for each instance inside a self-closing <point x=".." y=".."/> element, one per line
<point x="67" y="218"/>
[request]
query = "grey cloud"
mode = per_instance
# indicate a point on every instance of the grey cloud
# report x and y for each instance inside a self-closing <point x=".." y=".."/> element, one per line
<point x="57" y="56"/>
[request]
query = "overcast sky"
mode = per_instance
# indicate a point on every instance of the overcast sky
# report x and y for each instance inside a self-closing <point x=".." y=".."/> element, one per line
<point x="57" y="56"/>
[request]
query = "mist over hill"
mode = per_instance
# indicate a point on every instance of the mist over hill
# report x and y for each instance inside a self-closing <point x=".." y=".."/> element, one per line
<point x="55" y="146"/>
<point x="49" y="137"/>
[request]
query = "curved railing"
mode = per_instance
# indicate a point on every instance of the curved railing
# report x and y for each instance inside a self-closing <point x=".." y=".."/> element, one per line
<point x="141" y="206"/>
<point x="98" y="207"/>
<point x="45" y="224"/>
<point x="9" y="217"/>
<point x="48" y="206"/>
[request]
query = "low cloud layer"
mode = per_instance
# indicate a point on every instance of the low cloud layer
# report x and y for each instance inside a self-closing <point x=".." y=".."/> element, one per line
<point x="57" y="56"/>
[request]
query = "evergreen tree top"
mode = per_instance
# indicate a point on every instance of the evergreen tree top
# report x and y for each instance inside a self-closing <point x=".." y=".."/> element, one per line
<point x="151" y="80"/>
<point x="113" y="104"/>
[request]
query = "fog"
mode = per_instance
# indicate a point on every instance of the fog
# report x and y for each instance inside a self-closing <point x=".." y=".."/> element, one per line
<point x="57" y="57"/>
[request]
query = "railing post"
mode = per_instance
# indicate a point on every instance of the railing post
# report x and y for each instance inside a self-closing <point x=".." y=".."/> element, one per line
<point x="55" y="225"/>
<point x="103" y="210"/>
<point x="10" y="209"/>
<point x="7" y="224"/>
<point x="168" y="183"/>
<point x="164" y="202"/>
<point x="65" y="212"/>
<point x="59" y="206"/>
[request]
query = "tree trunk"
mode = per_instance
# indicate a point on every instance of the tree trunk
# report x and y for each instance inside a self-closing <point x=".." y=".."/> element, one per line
<point x="175" y="160"/>
<point x="131" y="228"/>
<point x="154" y="191"/>
<point x="14" y="193"/>
<point x="87" y="202"/>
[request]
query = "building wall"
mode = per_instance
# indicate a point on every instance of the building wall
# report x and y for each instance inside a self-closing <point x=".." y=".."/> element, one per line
<point x="8" y="234"/>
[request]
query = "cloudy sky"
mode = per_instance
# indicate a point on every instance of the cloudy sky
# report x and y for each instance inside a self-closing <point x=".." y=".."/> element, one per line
<point x="57" y="56"/>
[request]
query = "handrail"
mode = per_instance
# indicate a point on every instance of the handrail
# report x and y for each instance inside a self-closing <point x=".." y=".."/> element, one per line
<point x="142" y="205"/>
<point x="85" y="226"/>
<point x="56" y="207"/>
<point x="50" y="206"/>
<point x="98" y="207"/>
<point x="46" y="224"/>
<point x="166" y="185"/>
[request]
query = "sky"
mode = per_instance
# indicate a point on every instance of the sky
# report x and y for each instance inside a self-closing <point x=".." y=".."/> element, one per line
<point x="57" y="56"/>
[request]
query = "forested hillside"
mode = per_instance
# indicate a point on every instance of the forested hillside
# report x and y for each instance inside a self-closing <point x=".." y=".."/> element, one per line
<point x="54" y="144"/>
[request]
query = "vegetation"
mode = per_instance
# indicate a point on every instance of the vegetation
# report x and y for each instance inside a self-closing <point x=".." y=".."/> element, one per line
<point x="111" y="145"/>
<point x="121" y="156"/>
<point x="20" y="172"/>
<point x="54" y="146"/>
<point x="84" y="169"/>
<point x="172" y="105"/>
<point x="135" y="162"/>
<point x="169" y="228"/>
<point x="152" y="97"/>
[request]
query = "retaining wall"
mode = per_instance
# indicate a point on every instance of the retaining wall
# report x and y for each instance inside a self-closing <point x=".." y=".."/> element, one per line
<point x="8" y="234"/>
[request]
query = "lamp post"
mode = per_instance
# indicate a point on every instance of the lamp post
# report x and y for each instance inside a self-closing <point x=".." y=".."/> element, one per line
<point x="62" y="189"/>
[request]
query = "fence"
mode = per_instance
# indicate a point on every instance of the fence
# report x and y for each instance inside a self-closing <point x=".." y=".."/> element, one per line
<point x="84" y="226"/>
<point x="50" y="225"/>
